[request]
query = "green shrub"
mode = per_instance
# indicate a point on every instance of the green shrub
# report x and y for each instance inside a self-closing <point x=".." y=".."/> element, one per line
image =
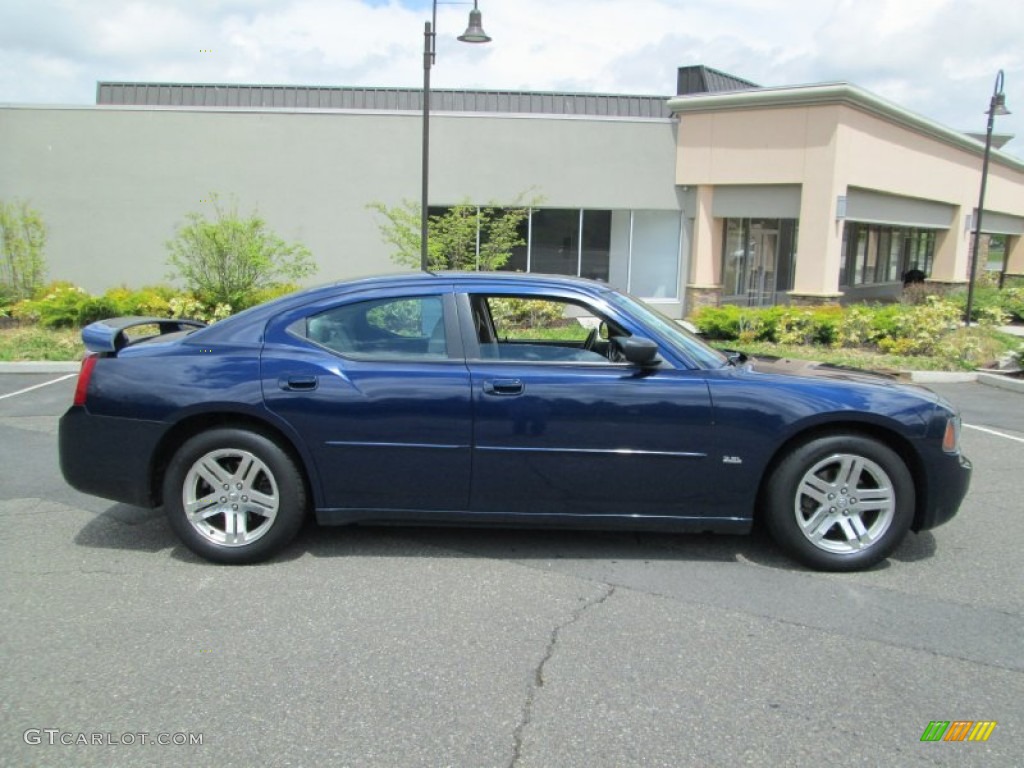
<point x="227" y="261"/>
<point x="719" y="323"/>
<point x="151" y="301"/>
<point x="1012" y="302"/>
<point x="856" y="327"/>
<point x="272" y="292"/>
<point x="787" y="325"/>
<point x="189" y="307"/>
<point x="810" y="325"/>
<point x="97" y="308"/>
<point x="58" y="305"/>
<point x="509" y="312"/>
<point x="918" y="330"/>
<point x="22" y="240"/>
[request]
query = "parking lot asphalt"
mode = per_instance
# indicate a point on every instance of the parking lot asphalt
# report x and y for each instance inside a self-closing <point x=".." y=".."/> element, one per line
<point x="455" y="647"/>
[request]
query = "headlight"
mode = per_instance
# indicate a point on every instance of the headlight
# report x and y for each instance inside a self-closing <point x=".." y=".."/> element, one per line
<point x="951" y="438"/>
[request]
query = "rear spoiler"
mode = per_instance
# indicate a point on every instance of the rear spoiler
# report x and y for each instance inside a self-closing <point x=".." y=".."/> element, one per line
<point x="110" y="336"/>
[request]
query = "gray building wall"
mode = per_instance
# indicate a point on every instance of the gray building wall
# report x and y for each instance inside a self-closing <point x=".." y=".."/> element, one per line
<point x="112" y="182"/>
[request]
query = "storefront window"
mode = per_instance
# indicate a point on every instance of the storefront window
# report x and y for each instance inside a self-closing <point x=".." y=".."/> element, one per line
<point x="875" y="254"/>
<point x="655" y="266"/>
<point x="571" y="241"/>
<point x="554" y="248"/>
<point x="597" y="235"/>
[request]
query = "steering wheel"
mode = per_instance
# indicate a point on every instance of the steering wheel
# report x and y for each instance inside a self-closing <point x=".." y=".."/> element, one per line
<point x="588" y="345"/>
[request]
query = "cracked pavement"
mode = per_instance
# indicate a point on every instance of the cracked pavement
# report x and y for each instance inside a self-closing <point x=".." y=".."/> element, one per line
<point x="455" y="647"/>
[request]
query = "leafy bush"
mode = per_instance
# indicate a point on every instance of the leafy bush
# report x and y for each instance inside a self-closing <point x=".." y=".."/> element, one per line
<point x="919" y="329"/>
<point x="724" y="323"/>
<point x="97" y="308"/>
<point x="902" y="329"/>
<point x="152" y="301"/>
<point x="22" y="239"/>
<point x="228" y="261"/>
<point x="509" y="312"/>
<point x="857" y="328"/>
<point x="991" y="305"/>
<point x="1013" y="302"/>
<point x="188" y="306"/>
<point x="817" y="325"/>
<point x="63" y="305"/>
<point x="785" y="325"/>
<point x="58" y="305"/>
<point x="272" y="292"/>
<point x="455" y="236"/>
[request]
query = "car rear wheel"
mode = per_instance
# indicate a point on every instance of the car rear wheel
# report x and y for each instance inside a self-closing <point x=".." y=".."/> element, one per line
<point x="840" y="503"/>
<point x="233" y="496"/>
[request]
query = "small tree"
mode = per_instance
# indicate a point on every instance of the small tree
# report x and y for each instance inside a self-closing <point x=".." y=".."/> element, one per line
<point x="22" y="239"/>
<point x="229" y="259"/>
<point x="452" y="236"/>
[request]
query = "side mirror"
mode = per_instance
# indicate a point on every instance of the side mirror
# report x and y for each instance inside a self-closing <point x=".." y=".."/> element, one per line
<point x="637" y="350"/>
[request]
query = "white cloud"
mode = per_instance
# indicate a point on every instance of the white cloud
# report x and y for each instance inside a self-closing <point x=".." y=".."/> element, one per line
<point x="936" y="57"/>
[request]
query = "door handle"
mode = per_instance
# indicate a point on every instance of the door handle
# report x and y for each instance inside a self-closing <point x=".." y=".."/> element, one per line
<point x="504" y="387"/>
<point x="297" y="383"/>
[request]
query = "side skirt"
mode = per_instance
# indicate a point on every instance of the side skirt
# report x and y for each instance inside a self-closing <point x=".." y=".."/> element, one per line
<point x="732" y="525"/>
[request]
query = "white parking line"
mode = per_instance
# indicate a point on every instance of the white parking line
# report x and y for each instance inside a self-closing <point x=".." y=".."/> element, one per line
<point x="996" y="433"/>
<point x="37" y="386"/>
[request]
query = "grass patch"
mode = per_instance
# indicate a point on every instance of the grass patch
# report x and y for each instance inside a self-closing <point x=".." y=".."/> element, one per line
<point x="32" y="342"/>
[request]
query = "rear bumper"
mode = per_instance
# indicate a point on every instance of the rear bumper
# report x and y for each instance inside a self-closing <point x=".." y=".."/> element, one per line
<point x="109" y="457"/>
<point x="948" y="481"/>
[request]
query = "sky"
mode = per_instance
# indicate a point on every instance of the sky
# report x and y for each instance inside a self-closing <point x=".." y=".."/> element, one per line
<point x="938" y="58"/>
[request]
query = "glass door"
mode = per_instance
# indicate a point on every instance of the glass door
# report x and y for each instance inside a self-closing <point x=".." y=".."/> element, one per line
<point x="761" y="263"/>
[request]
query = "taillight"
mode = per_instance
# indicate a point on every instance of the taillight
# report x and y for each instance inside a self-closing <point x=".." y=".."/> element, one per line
<point x="84" y="374"/>
<point x="951" y="438"/>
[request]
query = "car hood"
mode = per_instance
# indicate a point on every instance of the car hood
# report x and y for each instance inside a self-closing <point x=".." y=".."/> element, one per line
<point x="816" y="370"/>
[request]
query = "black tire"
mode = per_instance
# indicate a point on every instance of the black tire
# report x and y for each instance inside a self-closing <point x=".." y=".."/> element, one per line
<point x="840" y="502"/>
<point x="246" y="495"/>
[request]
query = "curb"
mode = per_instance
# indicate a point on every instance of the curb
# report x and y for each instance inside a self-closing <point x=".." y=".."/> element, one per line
<point x="41" y="366"/>
<point x="942" y="377"/>
<point x="1001" y="382"/>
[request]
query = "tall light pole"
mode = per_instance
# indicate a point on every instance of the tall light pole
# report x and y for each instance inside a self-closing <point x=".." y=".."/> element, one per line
<point x="474" y="34"/>
<point x="997" y="106"/>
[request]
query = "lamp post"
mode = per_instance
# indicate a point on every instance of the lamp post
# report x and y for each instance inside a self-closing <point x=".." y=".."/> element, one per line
<point x="474" y="34"/>
<point x="997" y="106"/>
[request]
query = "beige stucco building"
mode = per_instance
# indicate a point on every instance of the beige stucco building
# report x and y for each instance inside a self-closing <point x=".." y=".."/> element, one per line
<point x="862" y="179"/>
<point x="724" y="193"/>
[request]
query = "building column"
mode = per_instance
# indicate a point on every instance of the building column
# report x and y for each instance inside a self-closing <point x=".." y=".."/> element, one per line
<point x="704" y="287"/>
<point x="952" y="251"/>
<point x="819" y="244"/>
<point x="1015" y="257"/>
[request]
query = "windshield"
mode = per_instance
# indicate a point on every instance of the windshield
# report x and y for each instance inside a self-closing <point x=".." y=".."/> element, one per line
<point x="670" y="331"/>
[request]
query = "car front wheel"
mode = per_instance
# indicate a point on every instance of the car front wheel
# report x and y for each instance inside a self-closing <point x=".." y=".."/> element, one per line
<point x="840" y="503"/>
<point x="233" y="496"/>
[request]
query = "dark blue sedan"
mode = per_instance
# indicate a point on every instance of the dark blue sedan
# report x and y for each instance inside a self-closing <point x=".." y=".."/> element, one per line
<point x="497" y="399"/>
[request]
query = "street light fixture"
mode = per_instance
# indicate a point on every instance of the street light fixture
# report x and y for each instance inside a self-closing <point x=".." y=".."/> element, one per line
<point x="474" y="34"/>
<point x="997" y="106"/>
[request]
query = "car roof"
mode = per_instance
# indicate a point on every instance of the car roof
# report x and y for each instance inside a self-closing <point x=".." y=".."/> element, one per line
<point x="248" y="326"/>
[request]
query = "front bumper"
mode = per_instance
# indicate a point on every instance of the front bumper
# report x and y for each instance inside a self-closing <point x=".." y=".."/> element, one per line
<point x="948" y="481"/>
